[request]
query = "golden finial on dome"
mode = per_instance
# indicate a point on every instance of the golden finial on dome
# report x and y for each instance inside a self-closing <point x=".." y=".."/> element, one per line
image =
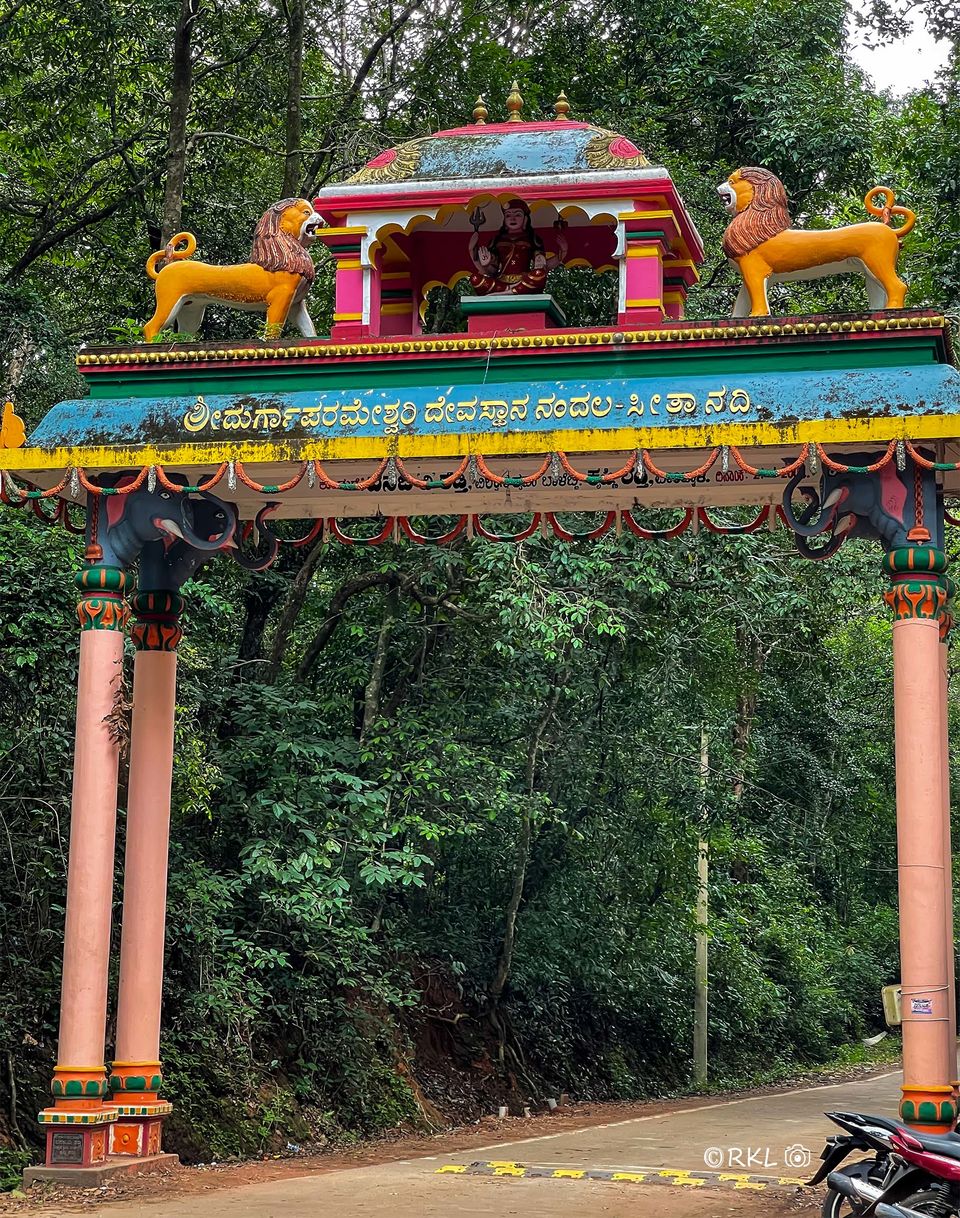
<point x="514" y="104"/>
<point x="561" y="106"/>
<point x="480" y="111"/>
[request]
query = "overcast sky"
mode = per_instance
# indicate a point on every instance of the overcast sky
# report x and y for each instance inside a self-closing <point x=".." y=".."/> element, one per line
<point x="905" y="64"/>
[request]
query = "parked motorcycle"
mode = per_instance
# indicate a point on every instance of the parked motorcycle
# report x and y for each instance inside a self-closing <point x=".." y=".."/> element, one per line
<point x="934" y="1161"/>
<point x="850" y="1189"/>
<point x="887" y="1176"/>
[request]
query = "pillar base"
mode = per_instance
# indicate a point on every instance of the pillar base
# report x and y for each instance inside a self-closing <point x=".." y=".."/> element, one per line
<point x="929" y="1109"/>
<point x="77" y="1139"/>
<point x="100" y="1174"/>
<point x="138" y="1130"/>
<point x="641" y="317"/>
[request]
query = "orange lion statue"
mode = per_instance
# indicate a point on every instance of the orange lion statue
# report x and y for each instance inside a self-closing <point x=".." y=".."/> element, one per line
<point x="766" y="249"/>
<point x="275" y="281"/>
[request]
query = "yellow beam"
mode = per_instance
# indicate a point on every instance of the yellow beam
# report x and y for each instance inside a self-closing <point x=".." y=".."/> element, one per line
<point x="878" y="430"/>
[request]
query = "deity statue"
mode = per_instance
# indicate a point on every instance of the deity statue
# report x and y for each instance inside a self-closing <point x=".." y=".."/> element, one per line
<point x="514" y="260"/>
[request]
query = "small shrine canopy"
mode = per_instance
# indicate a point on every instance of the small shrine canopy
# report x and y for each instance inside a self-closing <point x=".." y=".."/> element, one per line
<point x="401" y="225"/>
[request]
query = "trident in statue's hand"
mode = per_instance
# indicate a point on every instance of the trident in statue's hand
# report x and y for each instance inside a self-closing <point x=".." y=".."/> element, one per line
<point x="477" y="218"/>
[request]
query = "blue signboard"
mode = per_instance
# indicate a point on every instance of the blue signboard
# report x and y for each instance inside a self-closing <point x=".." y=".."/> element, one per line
<point x="515" y="407"/>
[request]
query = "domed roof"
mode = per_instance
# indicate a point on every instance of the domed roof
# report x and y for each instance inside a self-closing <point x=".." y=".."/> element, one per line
<point x="504" y="150"/>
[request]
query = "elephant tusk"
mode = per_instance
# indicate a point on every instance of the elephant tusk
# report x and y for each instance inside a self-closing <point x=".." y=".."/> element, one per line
<point x="168" y="526"/>
<point x="835" y="496"/>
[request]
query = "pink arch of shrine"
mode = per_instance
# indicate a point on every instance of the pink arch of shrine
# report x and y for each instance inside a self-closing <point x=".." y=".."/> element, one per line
<point x="832" y="426"/>
<point x="394" y="234"/>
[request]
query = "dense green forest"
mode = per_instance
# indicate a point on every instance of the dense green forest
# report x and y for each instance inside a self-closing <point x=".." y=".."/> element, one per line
<point x="436" y="812"/>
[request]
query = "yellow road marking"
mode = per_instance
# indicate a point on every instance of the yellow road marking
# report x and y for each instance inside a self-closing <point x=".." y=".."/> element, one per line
<point x="667" y="1175"/>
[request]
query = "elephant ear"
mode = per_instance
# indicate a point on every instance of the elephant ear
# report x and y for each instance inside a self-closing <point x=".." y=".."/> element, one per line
<point x="116" y="505"/>
<point x="893" y="492"/>
<point x="268" y="539"/>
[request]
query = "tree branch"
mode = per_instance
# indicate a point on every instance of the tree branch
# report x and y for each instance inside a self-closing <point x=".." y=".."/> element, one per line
<point x="291" y="611"/>
<point x="335" y="611"/>
<point x="40" y="246"/>
<point x="309" y="183"/>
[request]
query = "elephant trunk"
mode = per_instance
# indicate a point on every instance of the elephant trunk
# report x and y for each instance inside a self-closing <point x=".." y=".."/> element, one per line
<point x="200" y="536"/>
<point x="825" y="509"/>
<point x="260" y="562"/>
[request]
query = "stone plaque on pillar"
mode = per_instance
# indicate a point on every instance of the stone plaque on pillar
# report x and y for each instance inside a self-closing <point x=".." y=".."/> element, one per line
<point x="66" y="1147"/>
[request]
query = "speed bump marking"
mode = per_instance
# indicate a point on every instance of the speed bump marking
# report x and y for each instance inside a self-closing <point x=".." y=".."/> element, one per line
<point x="678" y="1177"/>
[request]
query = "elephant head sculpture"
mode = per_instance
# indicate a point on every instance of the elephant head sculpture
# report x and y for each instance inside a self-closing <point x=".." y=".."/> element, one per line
<point x="166" y="565"/>
<point x="173" y="532"/>
<point x="879" y="505"/>
<point x="119" y="526"/>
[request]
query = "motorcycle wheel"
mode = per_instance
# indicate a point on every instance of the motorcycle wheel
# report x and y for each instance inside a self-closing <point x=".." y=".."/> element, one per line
<point x="837" y="1206"/>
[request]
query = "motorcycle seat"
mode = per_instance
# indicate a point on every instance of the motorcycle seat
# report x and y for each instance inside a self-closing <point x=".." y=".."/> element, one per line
<point x="947" y="1145"/>
<point x="951" y="1139"/>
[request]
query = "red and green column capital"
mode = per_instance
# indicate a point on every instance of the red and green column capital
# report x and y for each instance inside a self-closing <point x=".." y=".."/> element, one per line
<point x="930" y="1109"/>
<point x="919" y="586"/>
<point x="101" y="605"/>
<point x="157" y="620"/>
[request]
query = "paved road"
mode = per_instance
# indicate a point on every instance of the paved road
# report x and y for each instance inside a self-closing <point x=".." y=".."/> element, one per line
<point x="752" y="1135"/>
<point x="749" y="1135"/>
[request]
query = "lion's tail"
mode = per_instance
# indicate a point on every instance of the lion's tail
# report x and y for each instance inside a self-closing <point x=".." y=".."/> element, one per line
<point x="182" y="245"/>
<point x="888" y="210"/>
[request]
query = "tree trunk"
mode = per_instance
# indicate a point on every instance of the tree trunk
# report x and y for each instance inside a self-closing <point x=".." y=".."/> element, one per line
<point x="291" y="611"/>
<point x="259" y="600"/>
<point x="180" y="88"/>
<point x="522" y="857"/>
<point x="374" y="690"/>
<point x="335" y="612"/>
<point x="294" y="123"/>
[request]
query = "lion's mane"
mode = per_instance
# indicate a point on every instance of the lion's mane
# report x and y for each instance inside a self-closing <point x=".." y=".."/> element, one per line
<point x="275" y="250"/>
<point x="764" y="217"/>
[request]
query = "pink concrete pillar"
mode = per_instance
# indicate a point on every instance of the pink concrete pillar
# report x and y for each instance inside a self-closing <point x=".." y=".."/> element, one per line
<point x="917" y="599"/>
<point x="135" y="1078"/>
<point x="78" y="1121"/>
<point x="946" y="623"/>
<point x="641" y="302"/>
<point x="346" y="244"/>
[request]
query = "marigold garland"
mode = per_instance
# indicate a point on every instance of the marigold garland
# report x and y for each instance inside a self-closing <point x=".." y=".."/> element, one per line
<point x="598" y="479"/>
<point x="527" y="480"/>
<point x="265" y="488"/>
<point x="432" y="484"/>
<point x="837" y="468"/>
<point x="364" y="484"/>
<point x="676" y="476"/>
<point x="943" y="467"/>
<point x="201" y="487"/>
<point x="125" y="488"/>
<point x="785" y="471"/>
